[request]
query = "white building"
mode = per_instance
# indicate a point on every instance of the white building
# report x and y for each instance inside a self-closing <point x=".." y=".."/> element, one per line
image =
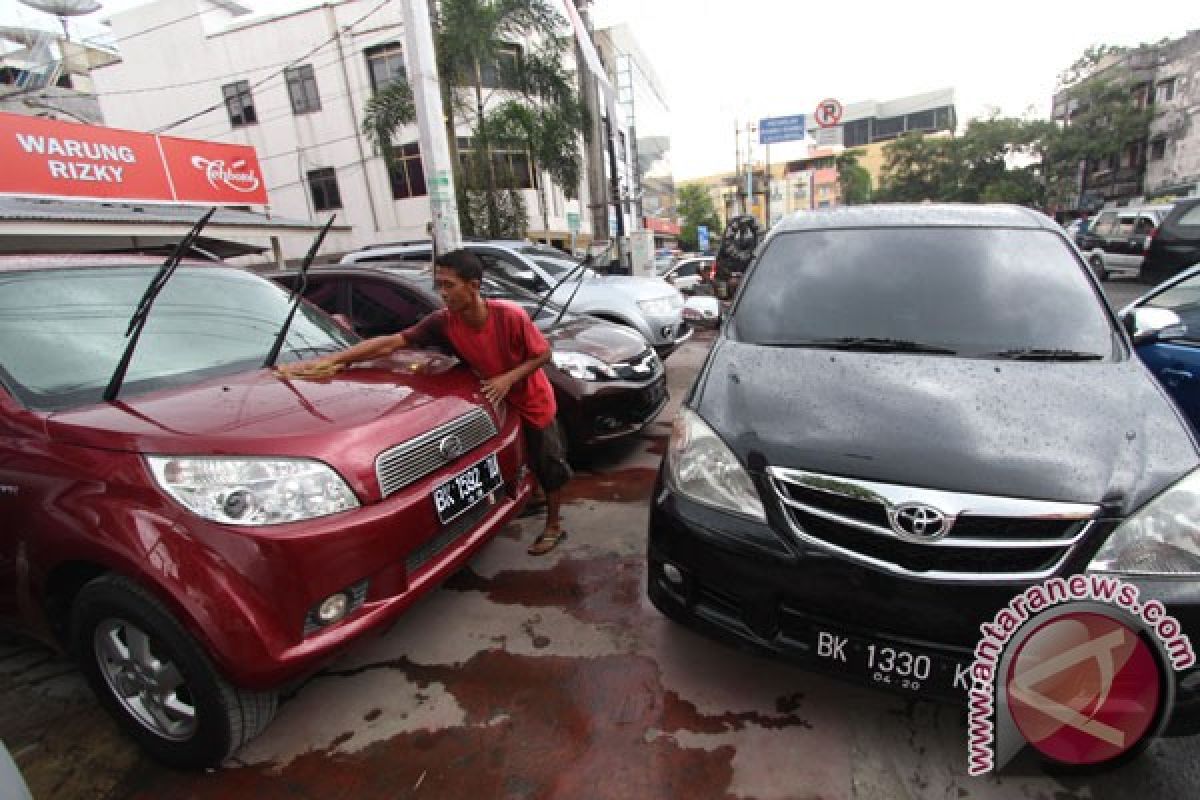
<point x="293" y="86"/>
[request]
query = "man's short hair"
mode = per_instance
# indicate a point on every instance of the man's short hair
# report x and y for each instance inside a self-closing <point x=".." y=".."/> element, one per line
<point x="466" y="265"/>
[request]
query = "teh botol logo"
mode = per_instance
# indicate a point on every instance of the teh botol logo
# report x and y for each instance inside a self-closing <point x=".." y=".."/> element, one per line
<point x="1078" y="669"/>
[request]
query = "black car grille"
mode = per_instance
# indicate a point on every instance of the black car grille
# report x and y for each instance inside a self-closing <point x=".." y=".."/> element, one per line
<point x="618" y="411"/>
<point x="643" y="367"/>
<point x="407" y="463"/>
<point x="993" y="538"/>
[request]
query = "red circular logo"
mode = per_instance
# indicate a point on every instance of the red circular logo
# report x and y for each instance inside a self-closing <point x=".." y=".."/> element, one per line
<point x="1084" y="688"/>
<point x="828" y="113"/>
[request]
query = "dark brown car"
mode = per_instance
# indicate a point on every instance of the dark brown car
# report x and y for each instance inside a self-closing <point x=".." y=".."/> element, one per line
<point x="607" y="381"/>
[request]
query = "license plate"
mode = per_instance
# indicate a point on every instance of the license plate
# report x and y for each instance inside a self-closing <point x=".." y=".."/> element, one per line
<point x="467" y="488"/>
<point x="893" y="665"/>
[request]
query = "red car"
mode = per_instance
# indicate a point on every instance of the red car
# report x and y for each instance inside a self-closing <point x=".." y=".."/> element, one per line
<point x="203" y="531"/>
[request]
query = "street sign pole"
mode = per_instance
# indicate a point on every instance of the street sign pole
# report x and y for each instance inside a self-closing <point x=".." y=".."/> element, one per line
<point x="435" y="149"/>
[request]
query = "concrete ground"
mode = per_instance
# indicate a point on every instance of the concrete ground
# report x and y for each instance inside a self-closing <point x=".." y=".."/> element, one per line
<point x="553" y="677"/>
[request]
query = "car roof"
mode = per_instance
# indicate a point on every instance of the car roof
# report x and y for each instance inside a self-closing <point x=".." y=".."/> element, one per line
<point x="916" y="215"/>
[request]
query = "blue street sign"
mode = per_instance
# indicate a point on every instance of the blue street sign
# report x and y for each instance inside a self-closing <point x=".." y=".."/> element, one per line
<point x="781" y="129"/>
<point x="702" y="238"/>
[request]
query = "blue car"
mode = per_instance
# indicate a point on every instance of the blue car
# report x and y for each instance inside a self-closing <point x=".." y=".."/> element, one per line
<point x="1165" y="326"/>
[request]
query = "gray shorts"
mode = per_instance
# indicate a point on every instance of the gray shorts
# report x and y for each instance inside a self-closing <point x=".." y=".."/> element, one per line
<point x="547" y="451"/>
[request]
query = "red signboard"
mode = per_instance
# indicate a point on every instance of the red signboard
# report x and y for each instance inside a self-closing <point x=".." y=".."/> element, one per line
<point x="661" y="226"/>
<point x="48" y="158"/>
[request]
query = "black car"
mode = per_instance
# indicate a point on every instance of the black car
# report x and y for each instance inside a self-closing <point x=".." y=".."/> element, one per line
<point x="607" y="381"/>
<point x="912" y="414"/>
<point x="1176" y="243"/>
<point x="1117" y="242"/>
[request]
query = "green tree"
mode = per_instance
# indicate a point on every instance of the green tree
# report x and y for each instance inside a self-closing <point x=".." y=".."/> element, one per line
<point x="853" y="178"/>
<point x="388" y="110"/>
<point x="475" y="37"/>
<point x="695" y="205"/>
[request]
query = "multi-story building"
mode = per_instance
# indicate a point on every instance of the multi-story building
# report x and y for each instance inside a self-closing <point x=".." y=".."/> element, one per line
<point x="648" y="188"/>
<point x="871" y="122"/>
<point x="294" y="86"/>
<point x="1173" y="152"/>
<point x="45" y="74"/>
<point x="1165" y="78"/>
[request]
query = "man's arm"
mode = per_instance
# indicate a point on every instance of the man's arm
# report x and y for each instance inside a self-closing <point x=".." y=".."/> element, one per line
<point x="497" y="388"/>
<point x="366" y="350"/>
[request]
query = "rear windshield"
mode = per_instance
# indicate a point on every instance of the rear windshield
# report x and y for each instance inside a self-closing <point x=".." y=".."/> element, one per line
<point x="62" y="332"/>
<point x="972" y="291"/>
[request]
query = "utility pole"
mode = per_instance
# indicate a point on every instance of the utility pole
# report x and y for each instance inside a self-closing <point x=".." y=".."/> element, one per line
<point x="597" y="201"/>
<point x="435" y="148"/>
<point x="737" y="162"/>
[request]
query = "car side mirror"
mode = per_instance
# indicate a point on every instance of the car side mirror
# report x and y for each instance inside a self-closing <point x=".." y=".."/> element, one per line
<point x="1148" y="325"/>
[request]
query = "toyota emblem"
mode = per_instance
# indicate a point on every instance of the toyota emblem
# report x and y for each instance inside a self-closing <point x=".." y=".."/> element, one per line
<point x="451" y="447"/>
<point x="919" y="522"/>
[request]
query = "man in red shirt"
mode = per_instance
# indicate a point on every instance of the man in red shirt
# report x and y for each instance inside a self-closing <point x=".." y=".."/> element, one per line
<point x="497" y="339"/>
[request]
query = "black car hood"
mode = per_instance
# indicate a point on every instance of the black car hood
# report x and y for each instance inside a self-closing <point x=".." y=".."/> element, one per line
<point x="1083" y="432"/>
<point x="603" y="340"/>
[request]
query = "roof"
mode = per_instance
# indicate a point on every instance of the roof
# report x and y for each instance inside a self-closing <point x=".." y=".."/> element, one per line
<point x="16" y="262"/>
<point x="47" y="210"/>
<point x="902" y="215"/>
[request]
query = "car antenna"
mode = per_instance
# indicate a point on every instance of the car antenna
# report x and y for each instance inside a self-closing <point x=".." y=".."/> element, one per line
<point x="137" y="322"/>
<point x="297" y="294"/>
<point x="574" y="291"/>
<point x="579" y="269"/>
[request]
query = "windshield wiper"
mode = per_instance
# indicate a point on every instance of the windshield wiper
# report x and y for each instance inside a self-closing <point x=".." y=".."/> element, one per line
<point x="297" y="294"/>
<point x="137" y="322"/>
<point x="1045" y="354"/>
<point x="867" y="343"/>
<point x="581" y="270"/>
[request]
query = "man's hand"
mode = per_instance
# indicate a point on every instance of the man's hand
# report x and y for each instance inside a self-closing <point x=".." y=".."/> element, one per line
<point x="497" y="388"/>
<point x="309" y="370"/>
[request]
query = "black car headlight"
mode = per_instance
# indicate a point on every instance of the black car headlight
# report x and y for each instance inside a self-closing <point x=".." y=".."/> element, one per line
<point x="1160" y="538"/>
<point x="702" y="467"/>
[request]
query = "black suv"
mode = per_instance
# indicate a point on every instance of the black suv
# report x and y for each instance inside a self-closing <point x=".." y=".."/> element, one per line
<point x="912" y="414"/>
<point x="1176" y="244"/>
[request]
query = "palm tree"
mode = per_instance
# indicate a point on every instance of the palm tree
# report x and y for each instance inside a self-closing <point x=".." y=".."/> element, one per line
<point x="472" y="38"/>
<point x="387" y="110"/>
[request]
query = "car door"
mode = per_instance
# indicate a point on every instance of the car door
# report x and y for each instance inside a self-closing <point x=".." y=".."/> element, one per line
<point x="1176" y="363"/>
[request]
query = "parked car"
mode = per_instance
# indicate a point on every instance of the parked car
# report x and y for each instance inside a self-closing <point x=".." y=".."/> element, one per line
<point x="1164" y="324"/>
<point x="957" y="363"/>
<point x="688" y="274"/>
<point x="1176" y="245"/>
<point x="1117" y="241"/>
<point x="650" y="306"/>
<point x="205" y="531"/>
<point x="607" y="381"/>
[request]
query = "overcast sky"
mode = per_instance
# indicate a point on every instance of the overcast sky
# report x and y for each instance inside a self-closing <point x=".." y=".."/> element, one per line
<point x="722" y="61"/>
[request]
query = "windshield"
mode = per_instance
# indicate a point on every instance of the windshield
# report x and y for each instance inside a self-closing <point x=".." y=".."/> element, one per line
<point x="970" y="291"/>
<point x="557" y="268"/>
<point x="62" y="331"/>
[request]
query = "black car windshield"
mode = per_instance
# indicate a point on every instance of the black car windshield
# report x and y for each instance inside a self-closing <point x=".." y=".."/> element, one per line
<point x="62" y="331"/>
<point x="1005" y="293"/>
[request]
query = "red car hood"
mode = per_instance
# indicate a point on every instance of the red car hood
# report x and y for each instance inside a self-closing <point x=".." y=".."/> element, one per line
<point x="345" y="422"/>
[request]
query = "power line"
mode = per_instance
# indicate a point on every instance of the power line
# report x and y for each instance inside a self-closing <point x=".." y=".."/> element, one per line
<point x="301" y="59"/>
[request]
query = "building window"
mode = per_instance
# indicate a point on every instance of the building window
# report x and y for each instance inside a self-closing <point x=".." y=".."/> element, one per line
<point x="856" y="133"/>
<point x="302" y="88"/>
<point x="1158" y="148"/>
<point x="503" y="73"/>
<point x="1164" y="92"/>
<point x="623" y="150"/>
<point x="323" y="185"/>
<point x="386" y="64"/>
<point x="922" y="121"/>
<point x="239" y="103"/>
<point x="1133" y="154"/>
<point x="510" y="161"/>
<point x="945" y="120"/>
<point x="889" y="126"/>
<point x="406" y="173"/>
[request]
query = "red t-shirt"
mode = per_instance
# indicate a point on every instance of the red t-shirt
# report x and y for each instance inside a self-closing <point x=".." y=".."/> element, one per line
<point x="508" y="338"/>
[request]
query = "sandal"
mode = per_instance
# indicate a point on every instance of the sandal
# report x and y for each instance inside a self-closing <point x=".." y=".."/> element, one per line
<point x="546" y="541"/>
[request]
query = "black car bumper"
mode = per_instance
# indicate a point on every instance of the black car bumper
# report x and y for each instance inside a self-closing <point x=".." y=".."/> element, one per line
<point x="606" y="411"/>
<point x="744" y="583"/>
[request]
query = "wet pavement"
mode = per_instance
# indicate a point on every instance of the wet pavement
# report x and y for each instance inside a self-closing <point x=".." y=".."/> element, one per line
<point x="553" y="677"/>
